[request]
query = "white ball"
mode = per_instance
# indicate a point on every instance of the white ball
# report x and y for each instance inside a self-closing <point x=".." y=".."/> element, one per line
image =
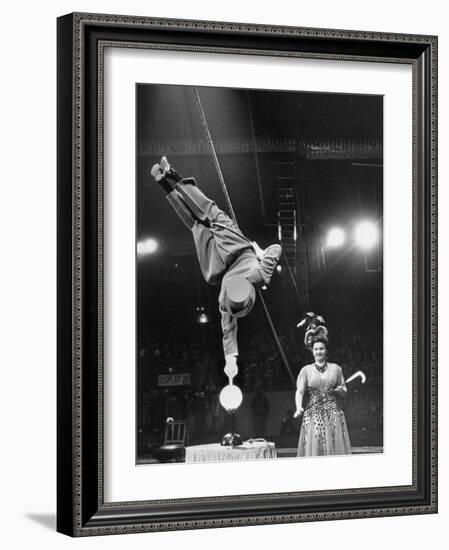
<point x="231" y="397"/>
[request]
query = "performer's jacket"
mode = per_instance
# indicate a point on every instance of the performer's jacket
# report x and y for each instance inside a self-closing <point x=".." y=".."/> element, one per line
<point x="258" y="272"/>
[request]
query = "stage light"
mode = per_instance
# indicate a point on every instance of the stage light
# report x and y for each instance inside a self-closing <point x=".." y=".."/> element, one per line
<point x="148" y="246"/>
<point x="335" y="238"/>
<point x="366" y="234"/>
<point x="279" y="268"/>
<point x="231" y="397"/>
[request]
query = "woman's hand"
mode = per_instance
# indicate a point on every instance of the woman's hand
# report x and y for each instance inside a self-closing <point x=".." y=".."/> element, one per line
<point x="298" y="412"/>
<point x="340" y="391"/>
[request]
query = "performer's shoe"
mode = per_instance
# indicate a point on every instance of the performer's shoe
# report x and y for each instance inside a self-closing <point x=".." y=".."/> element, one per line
<point x="161" y="170"/>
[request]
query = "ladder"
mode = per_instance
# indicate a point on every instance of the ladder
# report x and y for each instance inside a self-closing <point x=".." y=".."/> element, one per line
<point x="287" y="226"/>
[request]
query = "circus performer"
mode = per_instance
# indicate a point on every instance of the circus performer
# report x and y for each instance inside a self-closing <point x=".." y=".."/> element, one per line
<point x="323" y="430"/>
<point x="226" y="256"/>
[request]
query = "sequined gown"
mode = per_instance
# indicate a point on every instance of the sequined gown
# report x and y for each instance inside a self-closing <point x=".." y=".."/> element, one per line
<point x="323" y="430"/>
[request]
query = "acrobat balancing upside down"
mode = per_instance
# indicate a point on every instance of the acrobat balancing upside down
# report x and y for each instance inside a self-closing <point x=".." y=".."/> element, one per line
<point x="225" y="255"/>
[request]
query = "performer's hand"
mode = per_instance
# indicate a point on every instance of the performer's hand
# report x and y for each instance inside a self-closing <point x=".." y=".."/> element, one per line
<point x="259" y="252"/>
<point x="298" y="412"/>
<point x="231" y="368"/>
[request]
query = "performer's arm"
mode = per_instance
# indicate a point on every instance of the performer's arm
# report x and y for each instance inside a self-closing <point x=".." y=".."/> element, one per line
<point x="300" y="389"/>
<point x="229" y="326"/>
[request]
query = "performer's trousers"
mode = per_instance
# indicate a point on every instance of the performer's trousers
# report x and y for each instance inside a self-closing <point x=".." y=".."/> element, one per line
<point x="217" y="238"/>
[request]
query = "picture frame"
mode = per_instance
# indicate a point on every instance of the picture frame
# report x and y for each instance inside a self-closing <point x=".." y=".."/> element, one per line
<point x="81" y="506"/>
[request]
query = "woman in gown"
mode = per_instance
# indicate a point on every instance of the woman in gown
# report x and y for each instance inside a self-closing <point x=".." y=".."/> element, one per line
<point x="323" y="430"/>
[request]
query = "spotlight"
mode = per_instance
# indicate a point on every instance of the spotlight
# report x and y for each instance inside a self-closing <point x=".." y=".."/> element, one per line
<point x="366" y="234"/>
<point x="279" y="268"/>
<point x="148" y="246"/>
<point x="335" y="238"/>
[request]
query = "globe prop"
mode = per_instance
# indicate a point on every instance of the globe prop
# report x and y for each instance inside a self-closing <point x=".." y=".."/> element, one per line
<point x="231" y="397"/>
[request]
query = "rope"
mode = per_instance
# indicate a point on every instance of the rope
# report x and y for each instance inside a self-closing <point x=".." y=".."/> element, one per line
<point x="214" y="156"/>
<point x="224" y="188"/>
<point x="301" y="298"/>
<point x="231" y="210"/>
<point x="276" y="337"/>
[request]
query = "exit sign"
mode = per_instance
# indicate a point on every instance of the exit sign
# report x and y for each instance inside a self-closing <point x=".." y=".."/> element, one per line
<point x="182" y="379"/>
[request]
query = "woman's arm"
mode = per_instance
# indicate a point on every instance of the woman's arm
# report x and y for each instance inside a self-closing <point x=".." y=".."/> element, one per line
<point x="298" y="400"/>
<point x="341" y="390"/>
<point x="300" y="389"/>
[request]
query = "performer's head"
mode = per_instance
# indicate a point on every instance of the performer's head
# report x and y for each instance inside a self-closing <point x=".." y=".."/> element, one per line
<point x="239" y="296"/>
<point x="319" y="348"/>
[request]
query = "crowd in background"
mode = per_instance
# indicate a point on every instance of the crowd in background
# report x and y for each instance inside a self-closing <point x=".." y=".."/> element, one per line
<point x="354" y="345"/>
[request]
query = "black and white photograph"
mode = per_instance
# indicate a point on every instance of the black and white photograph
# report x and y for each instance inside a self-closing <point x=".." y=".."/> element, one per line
<point x="259" y="274"/>
<point x="222" y="290"/>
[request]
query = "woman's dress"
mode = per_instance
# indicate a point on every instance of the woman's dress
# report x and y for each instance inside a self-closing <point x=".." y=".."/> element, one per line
<point x="323" y="430"/>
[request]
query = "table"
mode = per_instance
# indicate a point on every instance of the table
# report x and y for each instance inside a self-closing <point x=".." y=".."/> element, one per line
<point x="215" y="452"/>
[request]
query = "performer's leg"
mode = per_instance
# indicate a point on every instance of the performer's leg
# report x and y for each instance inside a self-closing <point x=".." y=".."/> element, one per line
<point x="218" y="253"/>
<point x="228" y="235"/>
<point x="184" y="213"/>
<point x="204" y="208"/>
<point x="179" y="206"/>
<point x="201" y="206"/>
<point x="217" y="238"/>
<point x="209" y="259"/>
<point x="211" y="265"/>
<point x="167" y="177"/>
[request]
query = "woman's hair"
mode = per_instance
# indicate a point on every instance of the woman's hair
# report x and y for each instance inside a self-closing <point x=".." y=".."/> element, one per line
<point x="315" y="329"/>
<point x="321" y="339"/>
<point x="316" y="334"/>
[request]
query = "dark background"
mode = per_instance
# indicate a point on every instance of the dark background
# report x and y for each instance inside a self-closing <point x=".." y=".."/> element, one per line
<point x="326" y="150"/>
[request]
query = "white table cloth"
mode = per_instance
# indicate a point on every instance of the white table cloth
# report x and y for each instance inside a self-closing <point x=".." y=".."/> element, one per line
<point x="214" y="452"/>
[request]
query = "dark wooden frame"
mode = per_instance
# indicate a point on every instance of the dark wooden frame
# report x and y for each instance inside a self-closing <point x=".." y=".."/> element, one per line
<point x="81" y="509"/>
